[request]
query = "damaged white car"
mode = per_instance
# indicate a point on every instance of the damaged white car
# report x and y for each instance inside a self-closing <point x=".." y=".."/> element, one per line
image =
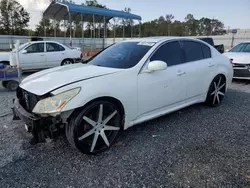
<point x="127" y="83"/>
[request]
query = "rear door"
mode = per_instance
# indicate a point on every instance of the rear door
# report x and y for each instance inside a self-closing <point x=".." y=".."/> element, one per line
<point x="199" y="67"/>
<point x="33" y="57"/>
<point x="55" y="54"/>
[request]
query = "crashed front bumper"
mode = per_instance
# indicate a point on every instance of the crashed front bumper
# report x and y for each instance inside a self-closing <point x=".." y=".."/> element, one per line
<point x="40" y="127"/>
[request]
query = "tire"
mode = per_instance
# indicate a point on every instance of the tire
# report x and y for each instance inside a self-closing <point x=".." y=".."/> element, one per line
<point x="67" y="62"/>
<point x="12" y="85"/>
<point x="217" y="91"/>
<point x="95" y="128"/>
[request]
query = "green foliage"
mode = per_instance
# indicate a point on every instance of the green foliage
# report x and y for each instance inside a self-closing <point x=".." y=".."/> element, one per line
<point x="13" y="18"/>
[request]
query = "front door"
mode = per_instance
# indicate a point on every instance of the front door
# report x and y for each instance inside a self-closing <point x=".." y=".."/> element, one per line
<point x="163" y="88"/>
<point x="33" y="57"/>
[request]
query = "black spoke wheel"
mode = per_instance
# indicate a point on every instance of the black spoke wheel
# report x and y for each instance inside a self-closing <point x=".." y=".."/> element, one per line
<point x="95" y="128"/>
<point x="217" y="91"/>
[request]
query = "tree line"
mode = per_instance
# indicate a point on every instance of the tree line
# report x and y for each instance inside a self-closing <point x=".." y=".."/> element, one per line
<point x="14" y="20"/>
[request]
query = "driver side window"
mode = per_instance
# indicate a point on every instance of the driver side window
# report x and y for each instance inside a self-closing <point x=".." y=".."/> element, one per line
<point x="170" y="53"/>
<point x="35" y="48"/>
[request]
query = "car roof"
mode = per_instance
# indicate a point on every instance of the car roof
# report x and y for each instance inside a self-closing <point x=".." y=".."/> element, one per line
<point x="157" y="39"/>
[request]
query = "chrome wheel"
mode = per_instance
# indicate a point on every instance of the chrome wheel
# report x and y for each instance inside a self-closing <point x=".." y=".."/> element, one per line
<point x="217" y="91"/>
<point x="97" y="127"/>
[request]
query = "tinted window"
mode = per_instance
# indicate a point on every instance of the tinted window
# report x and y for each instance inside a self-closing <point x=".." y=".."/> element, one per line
<point x="192" y="51"/>
<point x="238" y="48"/>
<point x="169" y="53"/>
<point x="53" y="47"/>
<point x="121" y="55"/>
<point x="35" y="48"/>
<point x="206" y="51"/>
<point x="246" y="48"/>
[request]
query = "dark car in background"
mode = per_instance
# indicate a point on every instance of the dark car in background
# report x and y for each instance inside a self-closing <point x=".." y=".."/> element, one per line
<point x="210" y="41"/>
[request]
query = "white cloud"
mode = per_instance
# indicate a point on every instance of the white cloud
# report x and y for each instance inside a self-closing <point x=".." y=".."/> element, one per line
<point x="38" y="5"/>
<point x="35" y="8"/>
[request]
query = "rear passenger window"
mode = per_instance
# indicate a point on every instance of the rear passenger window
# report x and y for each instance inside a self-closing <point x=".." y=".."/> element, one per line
<point x="170" y="53"/>
<point x="206" y="51"/>
<point x="192" y="51"/>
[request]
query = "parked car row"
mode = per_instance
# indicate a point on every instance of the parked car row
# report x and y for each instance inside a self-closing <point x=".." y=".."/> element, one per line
<point x="43" y="54"/>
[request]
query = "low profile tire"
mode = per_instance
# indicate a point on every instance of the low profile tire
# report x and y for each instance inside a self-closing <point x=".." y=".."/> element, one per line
<point x="216" y="91"/>
<point x="12" y="85"/>
<point x="67" y="62"/>
<point x="95" y="128"/>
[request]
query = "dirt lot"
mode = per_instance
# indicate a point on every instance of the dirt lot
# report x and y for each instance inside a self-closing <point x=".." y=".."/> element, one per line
<point x="195" y="147"/>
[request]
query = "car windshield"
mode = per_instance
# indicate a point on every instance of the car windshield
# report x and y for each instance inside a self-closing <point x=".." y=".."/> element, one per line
<point x="243" y="47"/>
<point x="22" y="46"/>
<point x="122" y="55"/>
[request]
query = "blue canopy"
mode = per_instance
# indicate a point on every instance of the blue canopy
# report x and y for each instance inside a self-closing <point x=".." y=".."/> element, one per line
<point x="61" y="11"/>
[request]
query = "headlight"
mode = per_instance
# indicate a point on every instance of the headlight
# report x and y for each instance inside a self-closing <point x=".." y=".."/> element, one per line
<point x="55" y="103"/>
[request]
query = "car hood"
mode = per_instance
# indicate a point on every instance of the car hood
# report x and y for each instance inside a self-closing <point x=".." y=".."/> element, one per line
<point x="239" y="57"/>
<point x="4" y="56"/>
<point x="45" y="81"/>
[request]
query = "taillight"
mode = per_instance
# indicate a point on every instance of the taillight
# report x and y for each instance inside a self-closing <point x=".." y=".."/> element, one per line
<point x="81" y="56"/>
<point x="231" y="61"/>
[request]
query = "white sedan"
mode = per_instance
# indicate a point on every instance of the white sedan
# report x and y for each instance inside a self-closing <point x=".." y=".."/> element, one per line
<point x="240" y="56"/>
<point x="126" y="84"/>
<point x="43" y="54"/>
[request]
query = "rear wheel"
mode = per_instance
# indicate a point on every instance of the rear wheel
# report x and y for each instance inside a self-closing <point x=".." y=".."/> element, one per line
<point x="216" y="91"/>
<point x="67" y="62"/>
<point x="95" y="128"/>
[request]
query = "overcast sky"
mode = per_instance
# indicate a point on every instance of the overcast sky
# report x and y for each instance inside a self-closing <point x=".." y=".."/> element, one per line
<point x="235" y="14"/>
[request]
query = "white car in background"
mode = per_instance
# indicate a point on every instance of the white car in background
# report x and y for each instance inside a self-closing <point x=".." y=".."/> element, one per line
<point x="126" y="84"/>
<point x="43" y="54"/>
<point x="240" y="57"/>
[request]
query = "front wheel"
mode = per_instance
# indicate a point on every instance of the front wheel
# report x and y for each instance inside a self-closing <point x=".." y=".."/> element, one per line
<point x="95" y="128"/>
<point x="216" y="91"/>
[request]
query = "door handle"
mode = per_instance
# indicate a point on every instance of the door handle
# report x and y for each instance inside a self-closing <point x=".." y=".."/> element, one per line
<point x="211" y="64"/>
<point x="41" y="54"/>
<point x="180" y="73"/>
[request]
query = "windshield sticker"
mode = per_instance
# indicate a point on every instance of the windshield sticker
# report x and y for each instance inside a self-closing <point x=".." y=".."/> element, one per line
<point x="146" y="43"/>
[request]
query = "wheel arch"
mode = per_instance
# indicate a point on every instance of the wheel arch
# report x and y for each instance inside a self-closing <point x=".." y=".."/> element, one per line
<point x="222" y="74"/>
<point x="106" y="98"/>
<point x="71" y="59"/>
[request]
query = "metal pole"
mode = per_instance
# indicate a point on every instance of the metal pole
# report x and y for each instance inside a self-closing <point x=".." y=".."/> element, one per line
<point x="131" y="29"/>
<point x="82" y="33"/>
<point x="114" y="31"/>
<point x="70" y="32"/>
<point x="140" y="29"/>
<point x="104" y="31"/>
<point x="44" y="27"/>
<point x="123" y="29"/>
<point x="99" y="30"/>
<point x="55" y="28"/>
<point x="94" y="30"/>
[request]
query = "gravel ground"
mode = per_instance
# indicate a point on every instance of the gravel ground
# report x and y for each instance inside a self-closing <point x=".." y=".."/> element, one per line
<point x="194" y="147"/>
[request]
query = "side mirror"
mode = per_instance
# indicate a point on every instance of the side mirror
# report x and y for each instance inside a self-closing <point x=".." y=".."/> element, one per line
<point x="156" y="65"/>
<point x="24" y="52"/>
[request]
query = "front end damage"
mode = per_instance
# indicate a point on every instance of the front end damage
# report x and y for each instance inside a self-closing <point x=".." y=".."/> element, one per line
<point x="41" y="127"/>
